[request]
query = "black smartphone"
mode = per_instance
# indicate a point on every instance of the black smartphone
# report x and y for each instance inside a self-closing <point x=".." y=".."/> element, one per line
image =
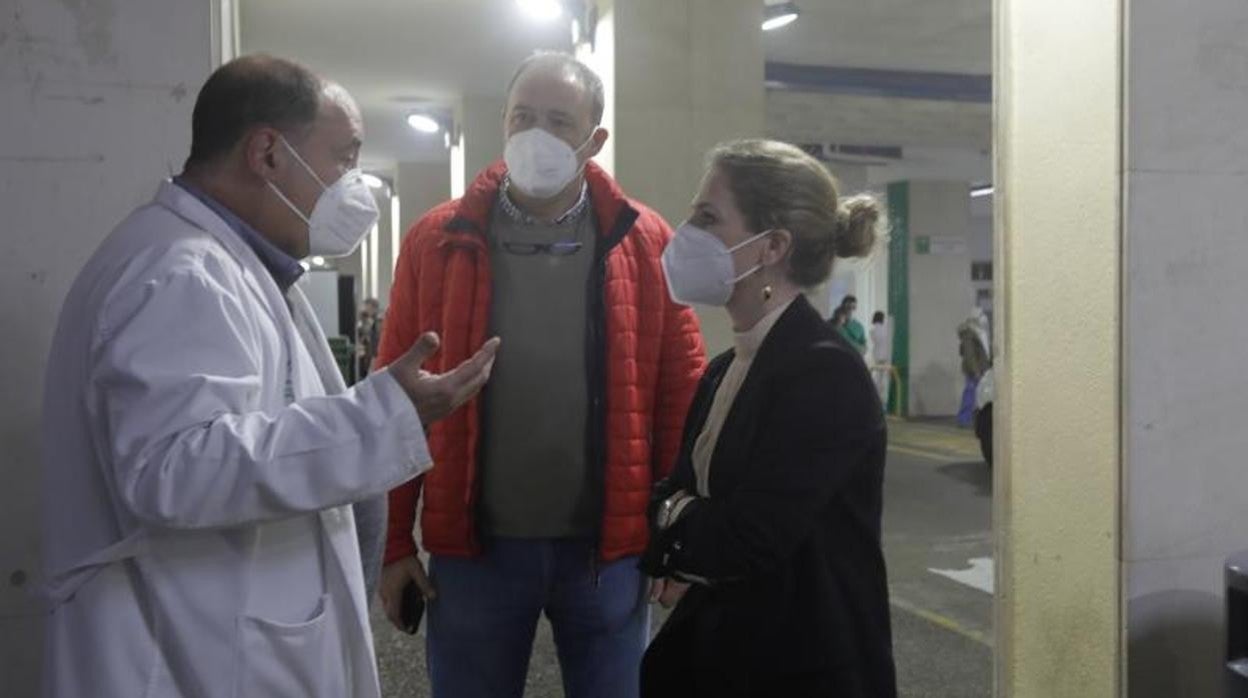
<point x="411" y="608"/>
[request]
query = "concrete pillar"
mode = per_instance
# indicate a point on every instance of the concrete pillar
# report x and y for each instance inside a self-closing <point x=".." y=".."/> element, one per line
<point x="931" y="225"/>
<point x="681" y="76"/>
<point x="1058" y="259"/>
<point x="480" y="120"/>
<point x="97" y="110"/>
<point x="420" y="186"/>
<point x="1184" y="243"/>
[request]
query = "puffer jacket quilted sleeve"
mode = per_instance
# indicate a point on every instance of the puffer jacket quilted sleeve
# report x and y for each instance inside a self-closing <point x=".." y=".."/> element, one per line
<point x="404" y="325"/>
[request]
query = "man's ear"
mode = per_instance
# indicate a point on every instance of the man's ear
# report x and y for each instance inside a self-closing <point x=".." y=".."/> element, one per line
<point x="263" y="152"/>
<point x="598" y="140"/>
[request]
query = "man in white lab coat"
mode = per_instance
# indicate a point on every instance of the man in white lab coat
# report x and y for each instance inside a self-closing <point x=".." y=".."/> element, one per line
<point x="201" y="450"/>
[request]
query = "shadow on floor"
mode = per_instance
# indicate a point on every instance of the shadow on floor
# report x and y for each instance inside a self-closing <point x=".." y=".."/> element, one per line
<point x="974" y="473"/>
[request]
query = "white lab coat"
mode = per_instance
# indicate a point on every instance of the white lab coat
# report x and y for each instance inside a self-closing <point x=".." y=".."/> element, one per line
<point x="881" y="344"/>
<point x="197" y="538"/>
<point x="881" y="355"/>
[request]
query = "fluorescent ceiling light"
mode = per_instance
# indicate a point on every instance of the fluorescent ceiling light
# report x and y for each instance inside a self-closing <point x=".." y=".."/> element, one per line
<point x="373" y="181"/>
<point x="977" y="192"/>
<point x="779" y="15"/>
<point x="423" y="123"/>
<point x="542" y="10"/>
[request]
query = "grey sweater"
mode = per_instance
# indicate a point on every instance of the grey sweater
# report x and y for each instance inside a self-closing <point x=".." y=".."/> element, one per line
<point x="535" y="478"/>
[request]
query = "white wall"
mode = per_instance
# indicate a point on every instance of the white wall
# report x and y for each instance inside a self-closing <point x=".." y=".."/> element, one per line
<point x="940" y="294"/>
<point x="1186" y="392"/>
<point x="97" y="101"/>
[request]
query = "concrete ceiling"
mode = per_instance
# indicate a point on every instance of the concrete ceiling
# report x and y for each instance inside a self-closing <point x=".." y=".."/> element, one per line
<point x="951" y="36"/>
<point x="392" y="54"/>
<point x="811" y="117"/>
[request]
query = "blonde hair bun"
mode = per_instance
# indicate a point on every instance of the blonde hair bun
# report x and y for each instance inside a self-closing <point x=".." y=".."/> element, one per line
<point x="857" y="223"/>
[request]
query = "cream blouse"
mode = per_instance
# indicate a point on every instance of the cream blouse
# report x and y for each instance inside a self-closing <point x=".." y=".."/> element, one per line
<point x="747" y="345"/>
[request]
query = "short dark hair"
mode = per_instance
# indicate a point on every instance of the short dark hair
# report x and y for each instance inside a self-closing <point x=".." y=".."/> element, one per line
<point x="849" y="299"/>
<point x="251" y="91"/>
<point x="877" y="318"/>
<point x="567" y="62"/>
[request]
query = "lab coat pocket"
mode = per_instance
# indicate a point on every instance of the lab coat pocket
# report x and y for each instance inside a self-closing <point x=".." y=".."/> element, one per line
<point x="304" y="659"/>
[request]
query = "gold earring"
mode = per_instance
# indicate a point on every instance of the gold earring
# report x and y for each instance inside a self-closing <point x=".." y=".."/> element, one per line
<point x="767" y="293"/>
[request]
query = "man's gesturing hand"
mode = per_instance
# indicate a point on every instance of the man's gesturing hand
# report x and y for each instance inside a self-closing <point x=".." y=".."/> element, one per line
<point x="436" y="395"/>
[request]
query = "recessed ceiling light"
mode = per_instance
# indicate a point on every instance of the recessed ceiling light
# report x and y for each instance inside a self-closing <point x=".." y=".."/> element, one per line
<point x="423" y="123"/>
<point x="779" y="15"/>
<point x="542" y="10"/>
<point x="318" y="261"/>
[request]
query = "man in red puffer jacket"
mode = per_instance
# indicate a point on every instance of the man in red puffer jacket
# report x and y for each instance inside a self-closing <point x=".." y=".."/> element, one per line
<point x="537" y="502"/>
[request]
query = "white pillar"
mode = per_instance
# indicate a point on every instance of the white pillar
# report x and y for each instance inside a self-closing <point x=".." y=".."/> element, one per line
<point x="97" y="110"/>
<point x="1056" y="474"/>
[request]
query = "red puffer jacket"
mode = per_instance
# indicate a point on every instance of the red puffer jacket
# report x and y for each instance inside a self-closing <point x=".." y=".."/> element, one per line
<point x="646" y="359"/>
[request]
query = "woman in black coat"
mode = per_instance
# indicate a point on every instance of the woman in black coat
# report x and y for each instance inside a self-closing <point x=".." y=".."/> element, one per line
<point x="767" y="534"/>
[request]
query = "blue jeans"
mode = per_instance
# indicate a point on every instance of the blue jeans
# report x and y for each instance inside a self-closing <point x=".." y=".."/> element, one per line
<point x="966" y="414"/>
<point x="482" y="623"/>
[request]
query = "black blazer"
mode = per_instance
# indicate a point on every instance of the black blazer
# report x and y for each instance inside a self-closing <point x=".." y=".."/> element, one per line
<point x="789" y="539"/>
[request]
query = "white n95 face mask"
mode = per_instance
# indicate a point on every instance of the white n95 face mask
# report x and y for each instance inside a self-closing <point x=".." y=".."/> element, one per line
<point x="540" y="164"/>
<point x="698" y="266"/>
<point x="344" y="213"/>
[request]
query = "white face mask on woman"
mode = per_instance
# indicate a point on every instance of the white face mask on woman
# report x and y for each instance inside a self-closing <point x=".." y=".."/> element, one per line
<point x="344" y="212"/>
<point x="698" y="266"/>
<point x="540" y="164"/>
